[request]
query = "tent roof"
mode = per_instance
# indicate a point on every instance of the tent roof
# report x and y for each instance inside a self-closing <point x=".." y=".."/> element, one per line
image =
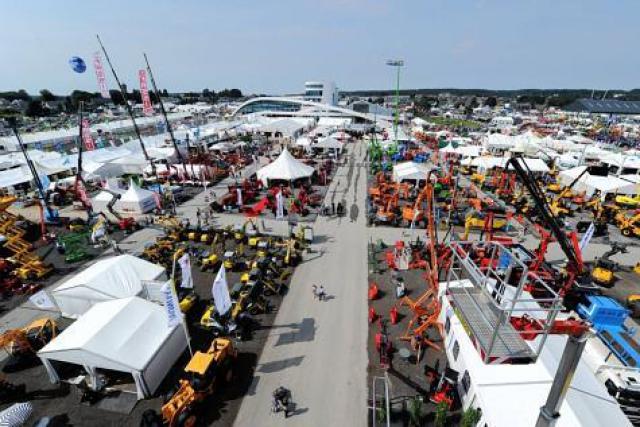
<point x="122" y="334"/>
<point x="285" y="167"/>
<point x="116" y="277"/>
<point x="329" y="142"/>
<point x="135" y="193"/>
<point x="410" y="170"/>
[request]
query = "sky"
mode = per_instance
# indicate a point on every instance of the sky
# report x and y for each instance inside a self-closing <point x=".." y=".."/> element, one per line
<point x="274" y="46"/>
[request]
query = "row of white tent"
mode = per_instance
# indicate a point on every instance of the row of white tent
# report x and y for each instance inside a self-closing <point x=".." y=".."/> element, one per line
<point x="133" y="200"/>
<point x="118" y="327"/>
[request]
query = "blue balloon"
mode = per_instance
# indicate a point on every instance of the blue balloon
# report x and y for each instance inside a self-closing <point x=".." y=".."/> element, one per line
<point x="77" y="64"/>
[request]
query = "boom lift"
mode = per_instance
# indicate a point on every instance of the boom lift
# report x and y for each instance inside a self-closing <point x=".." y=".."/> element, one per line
<point x="576" y="278"/>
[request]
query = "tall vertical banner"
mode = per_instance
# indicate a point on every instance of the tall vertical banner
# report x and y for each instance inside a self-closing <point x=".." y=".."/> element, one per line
<point x="279" y="205"/>
<point x="87" y="139"/>
<point x="171" y="305"/>
<point x="220" y="292"/>
<point x="147" y="108"/>
<point x="185" y="268"/>
<point x="586" y="237"/>
<point x="239" y="198"/>
<point x="102" y="80"/>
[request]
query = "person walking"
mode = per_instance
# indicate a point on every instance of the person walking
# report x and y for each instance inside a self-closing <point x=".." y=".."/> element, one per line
<point x="321" y="293"/>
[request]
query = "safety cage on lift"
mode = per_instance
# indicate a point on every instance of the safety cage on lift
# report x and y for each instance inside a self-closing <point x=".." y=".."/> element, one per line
<point x="487" y="284"/>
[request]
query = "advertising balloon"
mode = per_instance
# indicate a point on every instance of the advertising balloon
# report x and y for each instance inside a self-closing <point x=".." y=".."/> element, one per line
<point x="77" y="64"/>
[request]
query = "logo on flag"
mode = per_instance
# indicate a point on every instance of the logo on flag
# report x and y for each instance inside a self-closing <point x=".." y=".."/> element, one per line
<point x="102" y="81"/>
<point x="586" y="238"/>
<point x="220" y="292"/>
<point x="185" y="267"/>
<point x="147" y="108"/>
<point x="42" y="300"/>
<point x="171" y="305"/>
<point x="279" y="205"/>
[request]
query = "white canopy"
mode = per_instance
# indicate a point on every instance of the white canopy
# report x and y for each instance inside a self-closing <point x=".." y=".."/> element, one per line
<point x="107" y="279"/>
<point x="591" y="183"/>
<point x="137" y="200"/>
<point x="410" y="171"/>
<point x="329" y="143"/>
<point x="125" y="335"/>
<point x="303" y="141"/>
<point x="285" y="167"/>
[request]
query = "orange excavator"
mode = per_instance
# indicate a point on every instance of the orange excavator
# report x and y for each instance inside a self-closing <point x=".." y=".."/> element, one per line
<point x="23" y="343"/>
<point x="414" y="214"/>
<point x="386" y="213"/>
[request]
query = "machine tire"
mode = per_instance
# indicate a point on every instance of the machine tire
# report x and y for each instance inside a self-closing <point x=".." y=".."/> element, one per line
<point x="626" y="232"/>
<point x="635" y="309"/>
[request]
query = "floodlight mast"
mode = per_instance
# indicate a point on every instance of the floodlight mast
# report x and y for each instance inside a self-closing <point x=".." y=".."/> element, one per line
<point x="398" y="63"/>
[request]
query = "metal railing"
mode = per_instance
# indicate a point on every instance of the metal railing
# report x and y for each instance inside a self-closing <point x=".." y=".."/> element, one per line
<point x="499" y="275"/>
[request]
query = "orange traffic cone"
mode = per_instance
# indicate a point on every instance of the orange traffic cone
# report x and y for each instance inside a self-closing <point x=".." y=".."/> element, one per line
<point x="373" y="291"/>
<point x="372" y="315"/>
<point x="393" y="315"/>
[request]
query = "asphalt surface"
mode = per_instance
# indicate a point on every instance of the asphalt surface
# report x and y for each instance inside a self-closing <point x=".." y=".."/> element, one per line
<point x="318" y="349"/>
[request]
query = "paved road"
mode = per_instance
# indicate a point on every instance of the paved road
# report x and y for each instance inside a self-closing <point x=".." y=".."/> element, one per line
<point x="318" y="349"/>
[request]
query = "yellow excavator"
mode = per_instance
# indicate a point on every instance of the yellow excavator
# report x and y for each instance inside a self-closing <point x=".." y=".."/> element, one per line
<point x="204" y="372"/>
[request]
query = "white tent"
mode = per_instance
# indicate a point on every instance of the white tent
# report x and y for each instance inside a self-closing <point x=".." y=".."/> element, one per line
<point x="124" y="335"/>
<point x="285" y="167"/>
<point x="107" y="279"/>
<point x="303" y="141"/>
<point x="329" y="143"/>
<point x="136" y="200"/>
<point x="449" y="148"/>
<point x="410" y="171"/>
<point x="591" y="183"/>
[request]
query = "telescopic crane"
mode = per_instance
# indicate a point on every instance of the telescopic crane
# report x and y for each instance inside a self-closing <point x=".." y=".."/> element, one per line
<point x="577" y="277"/>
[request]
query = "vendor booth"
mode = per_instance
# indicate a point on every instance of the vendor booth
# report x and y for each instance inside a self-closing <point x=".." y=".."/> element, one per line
<point x="128" y="338"/>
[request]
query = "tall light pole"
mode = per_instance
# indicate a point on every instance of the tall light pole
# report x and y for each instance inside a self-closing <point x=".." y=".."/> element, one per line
<point x="398" y="63"/>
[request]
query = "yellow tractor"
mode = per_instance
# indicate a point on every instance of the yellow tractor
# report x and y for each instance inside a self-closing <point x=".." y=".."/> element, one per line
<point x="478" y="178"/>
<point x="204" y="372"/>
<point x="604" y="269"/>
<point x="210" y="261"/>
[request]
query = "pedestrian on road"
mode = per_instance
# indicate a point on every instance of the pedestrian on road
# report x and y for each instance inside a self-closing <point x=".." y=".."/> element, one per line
<point x="354" y="212"/>
<point x="321" y="293"/>
<point x="333" y="208"/>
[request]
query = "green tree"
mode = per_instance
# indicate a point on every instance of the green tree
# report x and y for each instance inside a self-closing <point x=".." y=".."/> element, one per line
<point x="440" y="419"/>
<point x="46" y="95"/>
<point x="34" y="109"/>
<point x="491" y="101"/>
<point x="116" y="97"/>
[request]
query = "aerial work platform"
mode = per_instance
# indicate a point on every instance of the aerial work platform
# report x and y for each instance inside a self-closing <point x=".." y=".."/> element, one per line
<point x="489" y="291"/>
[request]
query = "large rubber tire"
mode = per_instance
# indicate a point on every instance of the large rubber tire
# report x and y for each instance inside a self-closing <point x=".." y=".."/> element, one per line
<point x="626" y="232"/>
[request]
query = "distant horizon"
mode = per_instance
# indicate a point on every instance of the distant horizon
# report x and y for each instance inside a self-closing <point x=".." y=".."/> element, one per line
<point x="436" y="89"/>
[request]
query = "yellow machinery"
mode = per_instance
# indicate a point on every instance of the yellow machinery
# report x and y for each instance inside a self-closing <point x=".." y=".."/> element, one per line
<point x="478" y="178"/>
<point x="554" y="187"/>
<point x="209" y="261"/>
<point x="472" y="222"/>
<point x="26" y="341"/>
<point x="633" y="304"/>
<point x="240" y="231"/>
<point x="229" y="260"/>
<point x="187" y="303"/>
<point x="30" y="265"/>
<point x="204" y="372"/>
<point x="629" y="226"/>
<point x="631" y="201"/>
<point x="603" y="272"/>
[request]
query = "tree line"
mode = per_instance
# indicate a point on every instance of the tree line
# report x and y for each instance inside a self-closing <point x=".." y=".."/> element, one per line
<point x="37" y="106"/>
